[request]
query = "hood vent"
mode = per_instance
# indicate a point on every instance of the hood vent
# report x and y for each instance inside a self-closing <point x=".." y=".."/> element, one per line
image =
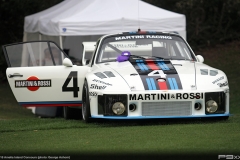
<point x="213" y="72"/>
<point x="204" y="71"/>
<point x="100" y="75"/>
<point x="109" y="74"/>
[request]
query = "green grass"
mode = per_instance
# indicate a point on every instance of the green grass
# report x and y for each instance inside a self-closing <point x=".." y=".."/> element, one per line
<point x="22" y="133"/>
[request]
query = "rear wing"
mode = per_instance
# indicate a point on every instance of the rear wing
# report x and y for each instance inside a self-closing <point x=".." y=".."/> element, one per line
<point x="88" y="49"/>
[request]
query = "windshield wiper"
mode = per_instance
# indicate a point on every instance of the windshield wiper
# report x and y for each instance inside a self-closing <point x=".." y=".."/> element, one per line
<point x="114" y="48"/>
<point x="132" y="55"/>
<point x="157" y="57"/>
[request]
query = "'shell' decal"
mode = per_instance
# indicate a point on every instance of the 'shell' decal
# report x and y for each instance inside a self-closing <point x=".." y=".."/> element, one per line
<point x="157" y="74"/>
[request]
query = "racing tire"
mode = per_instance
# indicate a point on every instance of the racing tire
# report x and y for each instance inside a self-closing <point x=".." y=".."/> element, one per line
<point x="86" y="113"/>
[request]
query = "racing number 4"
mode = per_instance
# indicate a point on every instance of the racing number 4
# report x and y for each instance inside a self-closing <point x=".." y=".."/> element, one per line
<point x="74" y="88"/>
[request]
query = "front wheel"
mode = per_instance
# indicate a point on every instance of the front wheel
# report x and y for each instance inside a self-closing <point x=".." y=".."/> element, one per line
<point x="86" y="114"/>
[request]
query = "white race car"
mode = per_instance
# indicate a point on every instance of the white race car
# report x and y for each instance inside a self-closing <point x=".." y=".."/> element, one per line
<point x="132" y="75"/>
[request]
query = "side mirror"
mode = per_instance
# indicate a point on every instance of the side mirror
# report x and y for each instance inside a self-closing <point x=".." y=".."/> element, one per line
<point x="200" y="58"/>
<point x="67" y="62"/>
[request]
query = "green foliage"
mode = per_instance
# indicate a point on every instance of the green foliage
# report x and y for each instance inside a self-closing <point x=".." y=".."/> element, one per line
<point x="12" y="17"/>
<point x="209" y="22"/>
<point x="12" y="13"/>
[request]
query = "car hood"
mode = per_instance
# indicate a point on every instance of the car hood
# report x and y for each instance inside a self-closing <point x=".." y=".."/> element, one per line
<point x="156" y="74"/>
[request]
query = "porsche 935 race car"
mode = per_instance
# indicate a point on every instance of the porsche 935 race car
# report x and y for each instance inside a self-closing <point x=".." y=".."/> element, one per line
<point x="133" y="75"/>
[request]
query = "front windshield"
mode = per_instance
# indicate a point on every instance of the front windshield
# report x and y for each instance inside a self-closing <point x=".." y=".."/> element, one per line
<point x="147" y="46"/>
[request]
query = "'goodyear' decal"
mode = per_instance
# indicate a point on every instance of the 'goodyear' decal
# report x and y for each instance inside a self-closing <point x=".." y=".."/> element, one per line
<point x="157" y="74"/>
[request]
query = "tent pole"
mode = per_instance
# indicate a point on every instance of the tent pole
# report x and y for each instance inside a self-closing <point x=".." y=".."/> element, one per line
<point x="61" y="45"/>
<point x="60" y="41"/>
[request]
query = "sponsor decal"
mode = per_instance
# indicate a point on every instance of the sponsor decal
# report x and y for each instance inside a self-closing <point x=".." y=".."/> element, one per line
<point x="95" y="86"/>
<point x="158" y="37"/>
<point x="157" y="74"/>
<point x="93" y="94"/>
<point x="33" y="83"/>
<point x="143" y="36"/>
<point x="223" y="84"/>
<point x="130" y="37"/>
<point x="165" y="96"/>
<point x="98" y="81"/>
<point x="219" y="79"/>
<point x="124" y="46"/>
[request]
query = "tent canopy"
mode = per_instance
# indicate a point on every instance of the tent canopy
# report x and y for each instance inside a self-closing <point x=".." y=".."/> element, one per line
<point x="72" y="22"/>
<point x="99" y="17"/>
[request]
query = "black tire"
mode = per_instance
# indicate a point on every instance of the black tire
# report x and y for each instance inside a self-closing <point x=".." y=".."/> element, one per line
<point x="86" y="113"/>
<point x="71" y="113"/>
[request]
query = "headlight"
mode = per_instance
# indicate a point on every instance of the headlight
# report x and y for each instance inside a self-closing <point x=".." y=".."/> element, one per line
<point x="118" y="108"/>
<point x="211" y="106"/>
<point x="113" y="104"/>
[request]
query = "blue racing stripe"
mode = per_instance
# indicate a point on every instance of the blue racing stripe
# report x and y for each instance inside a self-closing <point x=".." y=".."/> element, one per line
<point x="140" y="66"/>
<point x="144" y="66"/>
<point x="162" y="67"/>
<point x="165" y="66"/>
<point x="149" y="84"/>
<point x="175" y="83"/>
<point x="153" y="84"/>
<point x="171" y="83"/>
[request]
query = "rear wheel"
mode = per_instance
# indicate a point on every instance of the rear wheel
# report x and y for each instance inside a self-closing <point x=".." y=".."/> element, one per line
<point x="86" y="114"/>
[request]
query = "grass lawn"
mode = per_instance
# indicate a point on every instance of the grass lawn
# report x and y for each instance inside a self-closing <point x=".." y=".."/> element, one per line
<point x="22" y="133"/>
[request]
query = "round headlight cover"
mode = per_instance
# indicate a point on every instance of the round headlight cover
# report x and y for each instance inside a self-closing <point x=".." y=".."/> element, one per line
<point x="118" y="108"/>
<point x="211" y="106"/>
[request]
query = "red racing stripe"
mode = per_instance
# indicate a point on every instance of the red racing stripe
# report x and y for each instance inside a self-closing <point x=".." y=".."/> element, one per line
<point x="162" y="85"/>
<point x="50" y="105"/>
<point x="152" y="65"/>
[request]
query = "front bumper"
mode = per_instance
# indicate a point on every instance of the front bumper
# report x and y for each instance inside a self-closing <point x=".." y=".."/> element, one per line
<point x="154" y="105"/>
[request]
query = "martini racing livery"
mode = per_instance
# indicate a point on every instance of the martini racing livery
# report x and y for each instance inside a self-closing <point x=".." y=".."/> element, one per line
<point x="133" y="75"/>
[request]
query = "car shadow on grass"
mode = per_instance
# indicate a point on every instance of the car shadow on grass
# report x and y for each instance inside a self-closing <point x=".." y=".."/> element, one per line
<point x="149" y="122"/>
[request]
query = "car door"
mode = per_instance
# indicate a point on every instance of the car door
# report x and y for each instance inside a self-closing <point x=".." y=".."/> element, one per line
<point x="37" y="76"/>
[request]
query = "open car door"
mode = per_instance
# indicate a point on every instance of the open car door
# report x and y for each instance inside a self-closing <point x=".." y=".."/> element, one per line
<point x="37" y="76"/>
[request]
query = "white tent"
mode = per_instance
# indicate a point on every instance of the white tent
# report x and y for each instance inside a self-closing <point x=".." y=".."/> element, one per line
<point x="71" y="22"/>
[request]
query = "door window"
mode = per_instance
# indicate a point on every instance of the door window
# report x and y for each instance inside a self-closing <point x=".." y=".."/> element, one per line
<point x="32" y="54"/>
